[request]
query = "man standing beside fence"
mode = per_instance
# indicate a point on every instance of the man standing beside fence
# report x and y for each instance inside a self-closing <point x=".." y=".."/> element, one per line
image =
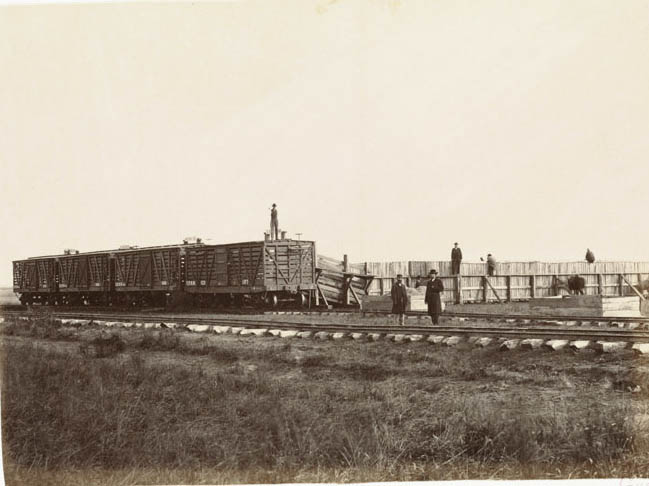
<point x="399" y="296"/>
<point x="456" y="259"/>
<point x="433" y="298"/>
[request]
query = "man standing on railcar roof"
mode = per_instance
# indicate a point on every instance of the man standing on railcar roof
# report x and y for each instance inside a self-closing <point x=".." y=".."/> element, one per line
<point x="456" y="259"/>
<point x="433" y="299"/>
<point x="399" y="295"/>
<point x="274" y="223"/>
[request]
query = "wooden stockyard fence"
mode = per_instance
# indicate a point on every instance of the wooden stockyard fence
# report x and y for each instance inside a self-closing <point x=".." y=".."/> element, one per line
<point x="513" y="280"/>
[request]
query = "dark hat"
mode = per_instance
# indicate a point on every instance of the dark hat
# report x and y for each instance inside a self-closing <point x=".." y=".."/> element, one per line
<point x="432" y="272"/>
<point x="399" y="275"/>
<point x="455" y="243"/>
<point x="274" y="204"/>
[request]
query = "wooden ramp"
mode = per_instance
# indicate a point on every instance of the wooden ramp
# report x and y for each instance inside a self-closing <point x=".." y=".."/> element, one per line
<point x="337" y="286"/>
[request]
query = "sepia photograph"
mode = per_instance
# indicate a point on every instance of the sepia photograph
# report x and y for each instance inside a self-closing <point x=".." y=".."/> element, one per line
<point x="324" y="241"/>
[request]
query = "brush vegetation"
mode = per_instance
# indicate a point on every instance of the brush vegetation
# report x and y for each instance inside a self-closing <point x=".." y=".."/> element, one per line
<point x="174" y="407"/>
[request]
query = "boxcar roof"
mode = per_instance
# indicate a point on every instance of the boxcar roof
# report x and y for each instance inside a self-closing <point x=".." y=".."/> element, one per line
<point x="179" y="245"/>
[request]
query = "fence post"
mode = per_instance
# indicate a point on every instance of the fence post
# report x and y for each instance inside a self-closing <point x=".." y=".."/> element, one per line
<point x="600" y="284"/>
<point x="555" y="286"/>
<point x="533" y="286"/>
<point x="484" y="289"/>
<point x="458" y="289"/>
<point x="345" y="264"/>
<point x="381" y="289"/>
<point x="620" y="283"/>
<point x="508" y="279"/>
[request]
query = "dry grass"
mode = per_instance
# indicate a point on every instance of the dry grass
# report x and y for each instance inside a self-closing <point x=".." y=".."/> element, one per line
<point x="182" y="408"/>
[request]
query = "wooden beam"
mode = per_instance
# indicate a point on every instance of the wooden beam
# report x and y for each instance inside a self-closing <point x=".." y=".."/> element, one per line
<point x="533" y="286"/>
<point x="322" y="294"/>
<point x="633" y="288"/>
<point x="620" y="285"/>
<point x="600" y="284"/>
<point x="508" y="279"/>
<point x="360" y="304"/>
<point x="346" y="285"/>
<point x="368" y="281"/>
<point x="492" y="288"/>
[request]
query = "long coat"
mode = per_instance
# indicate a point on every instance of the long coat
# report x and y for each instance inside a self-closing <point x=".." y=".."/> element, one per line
<point x="399" y="298"/>
<point x="433" y="288"/>
<point x="456" y="255"/>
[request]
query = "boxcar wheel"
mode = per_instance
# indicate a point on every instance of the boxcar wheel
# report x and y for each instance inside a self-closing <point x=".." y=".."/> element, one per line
<point x="271" y="300"/>
<point x="300" y="299"/>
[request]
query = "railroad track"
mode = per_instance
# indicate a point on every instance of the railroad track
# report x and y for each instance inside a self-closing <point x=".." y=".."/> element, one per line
<point x="507" y="336"/>
<point x="639" y="321"/>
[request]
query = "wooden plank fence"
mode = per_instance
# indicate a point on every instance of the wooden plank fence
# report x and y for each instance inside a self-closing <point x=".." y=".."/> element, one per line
<point x="513" y="280"/>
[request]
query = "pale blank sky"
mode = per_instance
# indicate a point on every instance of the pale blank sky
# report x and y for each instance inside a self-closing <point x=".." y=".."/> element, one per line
<point x="382" y="129"/>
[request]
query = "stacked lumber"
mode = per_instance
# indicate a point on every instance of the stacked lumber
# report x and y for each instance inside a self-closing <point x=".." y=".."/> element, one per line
<point x="331" y="282"/>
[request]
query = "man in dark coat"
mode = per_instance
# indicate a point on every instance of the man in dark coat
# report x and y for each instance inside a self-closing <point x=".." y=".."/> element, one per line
<point x="456" y="259"/>
<point x="399" y="296"/>
<point x="590" y="256"/>
<point x="433" y="299"/>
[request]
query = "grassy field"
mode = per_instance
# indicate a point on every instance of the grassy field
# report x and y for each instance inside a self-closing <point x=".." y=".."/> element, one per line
<point x="174" y="407"/>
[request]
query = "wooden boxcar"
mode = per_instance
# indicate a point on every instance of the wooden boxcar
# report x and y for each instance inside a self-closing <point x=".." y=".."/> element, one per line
<point x="267" y="271"/>
<point x="83" y="278"/>
<point x="26" y="280"/>
<point x="262" y="271"/>
<point x="35" y="279"/>
<point x="146" y="275"/>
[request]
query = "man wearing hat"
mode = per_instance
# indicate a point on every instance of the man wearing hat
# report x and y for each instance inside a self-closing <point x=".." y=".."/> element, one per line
<point x="274" y="224"/>
<point x="433" y="299"/>
<point x="456" y="259"/>
<point x="399" y="296"/>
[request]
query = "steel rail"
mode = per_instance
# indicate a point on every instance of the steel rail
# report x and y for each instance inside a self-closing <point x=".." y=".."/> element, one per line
<point x="421" y="314"/>
<point x="478" y="331"/>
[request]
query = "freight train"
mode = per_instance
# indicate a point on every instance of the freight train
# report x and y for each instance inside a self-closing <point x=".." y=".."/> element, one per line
<point x="259" y="273"/>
